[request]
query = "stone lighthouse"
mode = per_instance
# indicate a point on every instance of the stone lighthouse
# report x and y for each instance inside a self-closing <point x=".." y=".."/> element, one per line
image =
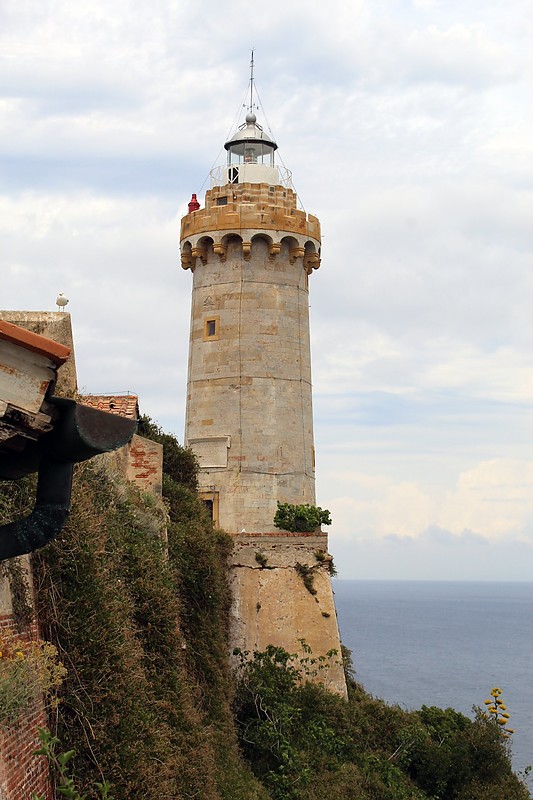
<point x="249" y="399"/>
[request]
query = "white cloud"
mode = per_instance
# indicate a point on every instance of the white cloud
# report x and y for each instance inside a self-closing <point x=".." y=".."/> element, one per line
<point x="494" y="498"/>
<point x="378" y="507"/>
<point x="408" y="128"/>
<point x="462" y="53"/>
<point x="425" y="4"/>
<point x="509" y="151"/>
<point x="437" y="555"/>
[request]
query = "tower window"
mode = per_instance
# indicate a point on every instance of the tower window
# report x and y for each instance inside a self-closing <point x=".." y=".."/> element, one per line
<point x="211" y="328"/>
<point x="222" y="201"/>
<point x="210" y="500"/>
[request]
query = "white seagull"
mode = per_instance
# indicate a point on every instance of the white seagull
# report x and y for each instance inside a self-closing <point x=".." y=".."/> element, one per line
<point x="61" y="301"/>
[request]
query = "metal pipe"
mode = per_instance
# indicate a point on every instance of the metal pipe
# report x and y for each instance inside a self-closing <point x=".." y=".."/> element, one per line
<point x="79" y="433"/>
<point x="52" y="506"/>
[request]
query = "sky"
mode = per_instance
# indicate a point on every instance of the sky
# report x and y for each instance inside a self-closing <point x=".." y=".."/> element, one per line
<point x="408" y="126"/>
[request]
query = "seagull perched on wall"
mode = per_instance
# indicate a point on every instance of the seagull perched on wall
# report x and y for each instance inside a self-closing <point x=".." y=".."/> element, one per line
<point x="61" y="301"/>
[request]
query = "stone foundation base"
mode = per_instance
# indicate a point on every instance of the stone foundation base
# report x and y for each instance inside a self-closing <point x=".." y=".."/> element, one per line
<point x="282" y="594"/>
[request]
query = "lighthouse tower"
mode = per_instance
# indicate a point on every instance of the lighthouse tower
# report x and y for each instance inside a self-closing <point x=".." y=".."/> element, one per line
<point x="249" y="404"/>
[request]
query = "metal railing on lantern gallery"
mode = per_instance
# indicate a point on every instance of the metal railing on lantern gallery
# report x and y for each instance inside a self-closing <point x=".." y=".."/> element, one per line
<point x="219" y="176"/>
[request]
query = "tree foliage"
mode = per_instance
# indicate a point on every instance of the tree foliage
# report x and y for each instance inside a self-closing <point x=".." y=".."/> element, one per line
<point x="303" y="742"/>
<point x="300" y="518"/>
<point x="179" y="463"/>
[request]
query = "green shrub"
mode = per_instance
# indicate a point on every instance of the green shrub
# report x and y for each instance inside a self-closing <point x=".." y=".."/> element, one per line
<point x="300" y="518"/>
<point x="303" y="742"/>
<point x="58" y="764"/>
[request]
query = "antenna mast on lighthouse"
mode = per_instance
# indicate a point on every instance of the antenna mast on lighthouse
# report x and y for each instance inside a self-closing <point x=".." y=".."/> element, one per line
<point x="251" y="106"/>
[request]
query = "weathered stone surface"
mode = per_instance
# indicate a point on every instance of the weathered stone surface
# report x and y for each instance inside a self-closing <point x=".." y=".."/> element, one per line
<point x="271" y="605"/>
<point x="55" y="325"/>
<point x="255" y="206"/>
<point x="252" y="383"/>
<point x="249" y="410"/>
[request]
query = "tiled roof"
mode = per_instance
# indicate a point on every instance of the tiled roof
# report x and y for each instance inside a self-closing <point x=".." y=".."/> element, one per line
<point x="57" y="353"/>
<point x="125" y="405"/>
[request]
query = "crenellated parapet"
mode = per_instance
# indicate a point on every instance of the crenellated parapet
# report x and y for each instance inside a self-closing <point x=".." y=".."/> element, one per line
<point x="250" y="206"/>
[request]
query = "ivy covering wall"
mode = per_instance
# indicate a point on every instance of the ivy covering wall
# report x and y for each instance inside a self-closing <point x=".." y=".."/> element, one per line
<point x="147" y="699"/>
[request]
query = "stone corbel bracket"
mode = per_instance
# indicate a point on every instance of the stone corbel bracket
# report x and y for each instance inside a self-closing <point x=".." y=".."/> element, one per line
<point x="220" y="250"/>
<point x="200" y="251"/>
<point x="311" y="262"/>
<point x="274" y="250"/>
<point x="296" y="252"/>
<point x="300" y="247"/>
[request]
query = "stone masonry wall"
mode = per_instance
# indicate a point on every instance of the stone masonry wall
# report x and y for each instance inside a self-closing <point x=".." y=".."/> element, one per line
<point x="249" y="404"/>
<point x="272" y="604"/>
<point x="55" y="325"/>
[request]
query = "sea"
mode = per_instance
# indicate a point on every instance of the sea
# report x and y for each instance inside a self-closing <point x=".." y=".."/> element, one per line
<point x="444" y="644"/>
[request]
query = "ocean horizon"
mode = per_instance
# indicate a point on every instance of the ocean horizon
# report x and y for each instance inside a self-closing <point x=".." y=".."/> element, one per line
<point x="445" y="644"/>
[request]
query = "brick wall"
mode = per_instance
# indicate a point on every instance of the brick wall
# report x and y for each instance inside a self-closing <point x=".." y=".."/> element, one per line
<point x="145" y="464"/>
<point x="22" y="773"/>
<point x="141" y="462"/>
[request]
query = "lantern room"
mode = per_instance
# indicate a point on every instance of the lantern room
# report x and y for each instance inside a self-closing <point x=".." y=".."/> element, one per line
<point x="251" y="155"/>
<point x="250" y="145"/>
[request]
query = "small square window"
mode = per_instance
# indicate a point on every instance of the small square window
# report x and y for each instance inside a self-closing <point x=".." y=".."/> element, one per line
<point x="211" y="328"/>
<point x="210" y="500"/>
<point x="222" y="201"/>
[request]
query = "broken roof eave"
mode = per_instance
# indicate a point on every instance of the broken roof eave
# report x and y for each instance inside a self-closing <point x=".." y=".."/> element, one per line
<point x="57" y="353"/>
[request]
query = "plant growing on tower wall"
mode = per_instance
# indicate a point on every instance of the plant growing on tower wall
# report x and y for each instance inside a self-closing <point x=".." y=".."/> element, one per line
<point x="300" y="518"/>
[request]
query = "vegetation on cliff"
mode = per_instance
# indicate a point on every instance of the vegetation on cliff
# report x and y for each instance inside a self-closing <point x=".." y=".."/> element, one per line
<point x="306" y="744"/>
<point x="149" y="702"/>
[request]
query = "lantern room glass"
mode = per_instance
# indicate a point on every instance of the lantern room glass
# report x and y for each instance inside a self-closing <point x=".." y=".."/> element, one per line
<point x="251" y="152"/>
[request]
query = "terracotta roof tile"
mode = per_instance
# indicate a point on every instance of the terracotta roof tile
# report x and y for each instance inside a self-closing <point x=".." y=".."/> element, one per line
<point x="57" y="353"/>
<point x="125" y="405"/>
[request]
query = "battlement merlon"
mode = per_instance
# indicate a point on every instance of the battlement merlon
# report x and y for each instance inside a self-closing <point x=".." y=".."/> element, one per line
<point x="251" y="206"/>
